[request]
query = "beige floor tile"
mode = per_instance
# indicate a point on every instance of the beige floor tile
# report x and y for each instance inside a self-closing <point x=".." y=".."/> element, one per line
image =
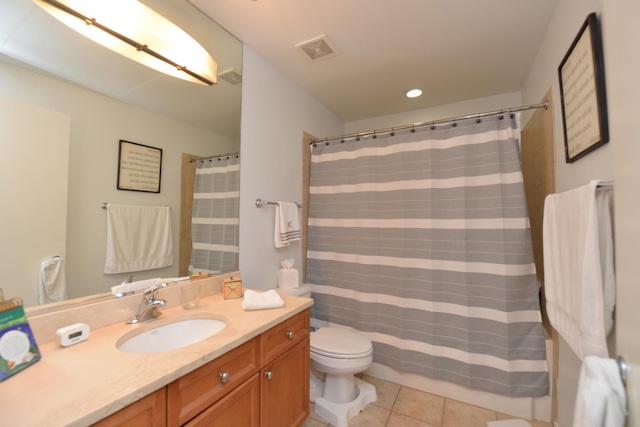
<point x="420" y="405"/>
<point x="458" y="414"/>
<point x="399" y="420"/>
<point x="371" y="416"/>
<point x="387" y="392"/>
<point x="314" y="423"/>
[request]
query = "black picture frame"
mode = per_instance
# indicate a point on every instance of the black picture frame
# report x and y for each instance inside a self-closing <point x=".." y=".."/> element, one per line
<point x="582" y="93"/>
<point x="139" y="167"/>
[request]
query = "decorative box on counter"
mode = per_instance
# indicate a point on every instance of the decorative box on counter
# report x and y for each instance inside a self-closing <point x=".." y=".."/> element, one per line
<point x="232" y="288"/>
<point x="18" y="348"/>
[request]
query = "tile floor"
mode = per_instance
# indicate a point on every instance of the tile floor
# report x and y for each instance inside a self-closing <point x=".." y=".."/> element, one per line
<point x="399" y="406"/>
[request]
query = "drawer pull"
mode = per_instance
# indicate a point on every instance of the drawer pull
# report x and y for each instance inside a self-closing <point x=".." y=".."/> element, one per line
<point x="224" y="377"/>
<point x="290" y="335"/>
<point x="268" y="374"/>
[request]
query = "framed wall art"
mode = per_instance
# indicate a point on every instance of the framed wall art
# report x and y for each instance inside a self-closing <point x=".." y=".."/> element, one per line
<point x="139" y="167"/>
<point x="582" y="93"/>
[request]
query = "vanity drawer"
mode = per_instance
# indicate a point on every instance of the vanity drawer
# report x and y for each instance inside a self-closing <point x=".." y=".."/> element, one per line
<point x="282" y="337"/>
<point x="194" y="392"/>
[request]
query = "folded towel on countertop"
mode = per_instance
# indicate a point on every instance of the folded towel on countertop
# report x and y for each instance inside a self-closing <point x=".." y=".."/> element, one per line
<point x="261" y="300"/>
<point x="287" y="224"/>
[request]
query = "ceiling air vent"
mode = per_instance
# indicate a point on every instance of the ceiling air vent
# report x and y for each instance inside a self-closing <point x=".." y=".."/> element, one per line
<point x="232" y="76"/>
<point x="319" y="48"/>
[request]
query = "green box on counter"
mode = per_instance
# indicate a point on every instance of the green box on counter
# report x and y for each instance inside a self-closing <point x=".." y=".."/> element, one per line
<point x="18" y="348"/>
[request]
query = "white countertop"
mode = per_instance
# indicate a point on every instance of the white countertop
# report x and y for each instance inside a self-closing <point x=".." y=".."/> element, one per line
<point x="81" y="384"/>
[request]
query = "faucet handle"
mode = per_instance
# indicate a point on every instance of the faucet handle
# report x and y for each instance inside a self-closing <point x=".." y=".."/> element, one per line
<point x="150" y="293"/>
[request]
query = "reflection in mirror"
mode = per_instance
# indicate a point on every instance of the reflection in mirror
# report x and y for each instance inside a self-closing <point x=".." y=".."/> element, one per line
<point x="68" y="103"/>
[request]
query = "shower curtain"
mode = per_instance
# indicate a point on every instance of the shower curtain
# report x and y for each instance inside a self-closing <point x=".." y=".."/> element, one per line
<point x="421" y="243"/>
<point x="214" y="223"/>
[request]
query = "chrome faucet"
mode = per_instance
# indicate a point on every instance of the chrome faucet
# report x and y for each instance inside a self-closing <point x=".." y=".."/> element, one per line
<point x="149" y="306"/>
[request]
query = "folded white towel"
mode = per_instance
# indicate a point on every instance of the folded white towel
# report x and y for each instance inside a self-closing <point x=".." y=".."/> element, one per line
<point x="578" y="267"/>
<point x="261" y="300"/>
<point x="287" y="224"/>
<point x="601" y="399"/>
<point x="52" y="281"/>
<point x="138" y="238"/>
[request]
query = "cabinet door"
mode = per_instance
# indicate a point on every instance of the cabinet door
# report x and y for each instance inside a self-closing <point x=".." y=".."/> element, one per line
<point x="238" y="408"/>
<point x="193" y="393"/>
<point x="284" y="388"/>
<point x="149" y="411"/>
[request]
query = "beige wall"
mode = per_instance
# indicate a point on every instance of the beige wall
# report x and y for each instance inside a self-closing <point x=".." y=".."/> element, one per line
<point x="622" y="61"/>
<point x="33" y="224"/>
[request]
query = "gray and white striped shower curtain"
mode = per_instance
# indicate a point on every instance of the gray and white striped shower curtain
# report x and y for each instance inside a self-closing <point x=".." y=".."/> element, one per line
<point x="214" y="222"/>
<point x="421" y="242"/>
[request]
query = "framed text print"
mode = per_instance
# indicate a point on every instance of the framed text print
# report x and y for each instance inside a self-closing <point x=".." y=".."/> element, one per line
<point x="139" y="167"/>
<point x="582" y="92"/>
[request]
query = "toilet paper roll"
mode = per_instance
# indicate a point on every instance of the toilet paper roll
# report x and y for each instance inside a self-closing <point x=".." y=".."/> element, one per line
<point x="288" y="278"/>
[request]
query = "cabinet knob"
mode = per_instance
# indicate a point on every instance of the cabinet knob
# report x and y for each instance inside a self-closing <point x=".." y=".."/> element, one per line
<point x="290" y="335"/>
<point x="224" y="377"/>
<point x="268" y="374"/>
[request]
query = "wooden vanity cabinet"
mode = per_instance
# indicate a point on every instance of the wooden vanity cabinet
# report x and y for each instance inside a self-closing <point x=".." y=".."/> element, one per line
<point x="261" y="383"/>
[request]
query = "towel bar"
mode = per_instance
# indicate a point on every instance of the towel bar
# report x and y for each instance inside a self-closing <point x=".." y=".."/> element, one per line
<point x="104" y="205"/>
<point x="260" y="203"/>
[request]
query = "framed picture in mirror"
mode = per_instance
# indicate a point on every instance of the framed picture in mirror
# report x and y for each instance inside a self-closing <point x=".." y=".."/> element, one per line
<point x="582" y="93"/>
<point x="139" y="167"/>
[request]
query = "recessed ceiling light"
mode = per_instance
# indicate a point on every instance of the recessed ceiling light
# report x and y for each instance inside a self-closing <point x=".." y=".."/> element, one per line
<point x="413" y="93"/>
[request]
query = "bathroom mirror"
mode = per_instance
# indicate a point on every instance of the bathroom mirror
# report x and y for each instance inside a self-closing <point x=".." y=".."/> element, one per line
<point x="98" y="98"/>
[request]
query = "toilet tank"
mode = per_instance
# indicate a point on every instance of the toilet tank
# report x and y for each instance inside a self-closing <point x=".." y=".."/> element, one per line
<point x="303" y="291"/>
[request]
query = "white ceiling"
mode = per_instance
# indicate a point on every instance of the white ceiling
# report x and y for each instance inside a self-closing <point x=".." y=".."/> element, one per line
<point x="453" y="49"/>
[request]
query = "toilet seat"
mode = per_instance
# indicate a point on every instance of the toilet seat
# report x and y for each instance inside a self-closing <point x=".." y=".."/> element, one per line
<point x="340" y="344"/>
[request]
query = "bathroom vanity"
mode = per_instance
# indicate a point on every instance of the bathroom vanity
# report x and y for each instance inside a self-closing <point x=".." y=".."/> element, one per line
<point x="254" y="372"/>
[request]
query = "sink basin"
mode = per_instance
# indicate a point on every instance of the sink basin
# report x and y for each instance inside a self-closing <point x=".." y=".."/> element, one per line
<point x="169" y="336"/>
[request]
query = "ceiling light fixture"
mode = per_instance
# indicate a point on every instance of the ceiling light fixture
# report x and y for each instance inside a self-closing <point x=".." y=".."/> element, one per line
<point x="139" y="33"/>
<point x="413" y="93"/>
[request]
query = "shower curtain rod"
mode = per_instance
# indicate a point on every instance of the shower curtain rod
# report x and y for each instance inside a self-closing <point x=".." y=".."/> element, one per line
<point x="217" y="156"/>
<point x="390" y="130"/>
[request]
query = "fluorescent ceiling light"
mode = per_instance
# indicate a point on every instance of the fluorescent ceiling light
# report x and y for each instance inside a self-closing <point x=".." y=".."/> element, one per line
<point x="413" y="93"/>
<point x="139" y="33"/>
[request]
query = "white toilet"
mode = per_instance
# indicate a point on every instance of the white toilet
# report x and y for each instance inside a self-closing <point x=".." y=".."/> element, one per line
<point x="338" y="354"/>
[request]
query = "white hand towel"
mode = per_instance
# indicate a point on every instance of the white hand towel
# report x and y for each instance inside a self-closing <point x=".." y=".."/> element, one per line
<point x="261" y="300"/>
<point x="138" y="238"/>
<point x="287" y="224"/>
<point x="578" y="266"/>
<point x="52" y="283"/>
<point x="601" y="399"/>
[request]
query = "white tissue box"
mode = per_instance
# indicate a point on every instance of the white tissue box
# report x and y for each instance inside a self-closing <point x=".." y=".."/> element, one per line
<point x="288" y="278"/>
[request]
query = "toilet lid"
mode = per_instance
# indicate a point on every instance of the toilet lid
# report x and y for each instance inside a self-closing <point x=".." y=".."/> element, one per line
<point x="340" y="343"/>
